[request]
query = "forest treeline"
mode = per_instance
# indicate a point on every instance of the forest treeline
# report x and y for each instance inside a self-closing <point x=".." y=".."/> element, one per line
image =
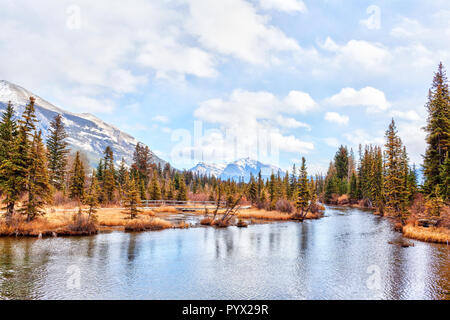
<point x="383" y="178"/>
<point x="37" y="171"/>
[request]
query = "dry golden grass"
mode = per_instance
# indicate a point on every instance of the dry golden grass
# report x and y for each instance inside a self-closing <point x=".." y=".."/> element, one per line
<point x="152" y="224"/>
<point x="60" y="221"/>
<point x="435" y="235"/>
<point x="264" y="215"/>
<point x="206" y="221"/>
<point x="165" y="210"/>
<point x="20" y="227"/>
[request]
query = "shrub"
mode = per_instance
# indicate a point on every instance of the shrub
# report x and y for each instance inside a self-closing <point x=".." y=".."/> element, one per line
<point x="206" y="221"/>
<point x="153" y="224"/>
<point x="82" y="224"/>
<point x="284" y="206"/>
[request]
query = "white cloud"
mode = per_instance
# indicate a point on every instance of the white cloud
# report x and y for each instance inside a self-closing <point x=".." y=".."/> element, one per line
<point x="370" y="56"/>
<point x="160" y="118"/>
<point x="335" y="117"/>
<point x="250" y="124"/>
<point x="332" y="142"/>
<point x="373" y="99"/>
<point x="284" y="5"/>
<point x="233" y="27"/>
<point x="291" y="123"/>
<point x="300" y="102"/>
<point x="360" y="136"/>
<point x="410" y="115"/>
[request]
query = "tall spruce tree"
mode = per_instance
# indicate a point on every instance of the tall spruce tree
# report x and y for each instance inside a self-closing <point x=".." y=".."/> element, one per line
<point x="91" y="197"/>
<point x="15" y="168"/>
<point x="438" y="131"/>
<point x="303" y="191"/>
<point x="182" y="190"/>
<point x="109" y="175"/>
<point x="132" y="199"/>
<point x="37" y="185"/>
<point x="57" y="152"/>
<point x="394" y="179"/>
<point x="155" y="190"/>
<point x="77" y="179"/>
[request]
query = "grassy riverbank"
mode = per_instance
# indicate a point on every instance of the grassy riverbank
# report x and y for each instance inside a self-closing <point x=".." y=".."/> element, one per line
<point x="64" y="221"/>
<point x="412" y="230"/>
<point x="431" y="234"/>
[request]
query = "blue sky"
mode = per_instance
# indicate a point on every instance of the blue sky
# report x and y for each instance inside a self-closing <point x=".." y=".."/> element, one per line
<point x="215" y="81"/>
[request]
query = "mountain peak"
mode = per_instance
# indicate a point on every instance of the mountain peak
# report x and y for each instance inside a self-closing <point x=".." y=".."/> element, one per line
<point x="239" y="169"/>
<point x="85" y="131"/>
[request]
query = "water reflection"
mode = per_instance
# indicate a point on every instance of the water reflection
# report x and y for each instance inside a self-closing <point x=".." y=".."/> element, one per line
<point x="331" y="258"/>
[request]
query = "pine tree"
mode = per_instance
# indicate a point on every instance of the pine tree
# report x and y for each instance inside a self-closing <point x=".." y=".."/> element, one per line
<point x="37" y="185"/>
<point x="341" y="163"/>
<point x="132" y="199"/>
<point x="121" y="173"/>
<point x="57" y="152"/>
<point x="394" y="182"/>
<point x="353" y="187"/>
<point x="303" y="192"/>
<point x="438" y="130"/>
<point x="155" y="192"/>
<point x="109" y="175"/>
<point x="412" y="183"/>
<point x="91" y="197"/>
<point x="29" y="119"/>
<point x="8" y="152"/>
<point x="182" y="190"/>
<point x="77" y="179"/>
<point x="8" y="132"/>
<point x="253" y="192"/>
<point x="171" y="191"/>
<point x="15" y="167"/>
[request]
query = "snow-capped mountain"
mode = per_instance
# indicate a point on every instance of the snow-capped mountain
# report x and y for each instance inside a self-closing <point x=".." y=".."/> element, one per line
<point x="239" y="169"/>
<point x="85" y="132"/>
<point x="208" y="169"/>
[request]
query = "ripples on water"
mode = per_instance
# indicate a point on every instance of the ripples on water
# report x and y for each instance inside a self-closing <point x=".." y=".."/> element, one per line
<point x="338" y="257"/>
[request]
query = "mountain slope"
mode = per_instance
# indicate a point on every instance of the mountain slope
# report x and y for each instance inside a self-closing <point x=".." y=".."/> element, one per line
<point x="86" y="132"/>
<point x="241" y="168"/>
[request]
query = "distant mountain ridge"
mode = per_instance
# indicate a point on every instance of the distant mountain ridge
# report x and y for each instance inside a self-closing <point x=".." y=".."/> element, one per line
<point x="239" y="169"/>
<point x="86" y="132"/>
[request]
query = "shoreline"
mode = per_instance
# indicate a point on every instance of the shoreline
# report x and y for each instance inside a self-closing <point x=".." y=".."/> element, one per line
<point x="59" y="221"/>
<point x="439" y="235"/>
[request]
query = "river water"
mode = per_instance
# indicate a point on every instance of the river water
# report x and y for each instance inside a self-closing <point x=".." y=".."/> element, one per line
<point x="345" y="255"/>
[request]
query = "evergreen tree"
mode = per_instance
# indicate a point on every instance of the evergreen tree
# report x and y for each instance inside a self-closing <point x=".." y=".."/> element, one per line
<point x="155" y="192"/>
<point x="394" y="182"/>
<point x="57" y="152"/>
<point x="91" y="197"/>
<point x="109" y="175"/>
<point x="77" y="179"/>
<point x="303" y="192"/>
<point x="253" y="191"/>
<point x="182" y="190"/>
<point x="8" y="132"/>
<point x="438" y="130"/>
<point x="121" y="173"/>
<point x="412" y="183"/>
<point x="132" y="199"/>
<point x="341" y="163"/>
<point x="353" y="187"/>
<point x="14" y="169"/>
<point x="171" y="191"/>
<point x="37" y="184"/>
